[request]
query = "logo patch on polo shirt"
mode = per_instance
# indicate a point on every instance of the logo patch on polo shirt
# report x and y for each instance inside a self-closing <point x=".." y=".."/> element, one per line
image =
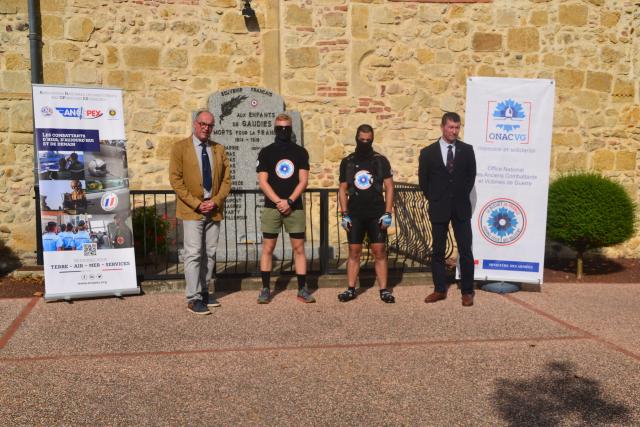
<point x="285" y="169"/>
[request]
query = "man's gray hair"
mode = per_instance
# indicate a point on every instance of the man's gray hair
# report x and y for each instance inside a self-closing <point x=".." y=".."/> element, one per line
<point x="197" y="113"/>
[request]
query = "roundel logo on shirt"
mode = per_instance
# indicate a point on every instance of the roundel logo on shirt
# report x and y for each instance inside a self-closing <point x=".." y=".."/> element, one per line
<point x="285" y="169"/>
<point x="363" y="180"/>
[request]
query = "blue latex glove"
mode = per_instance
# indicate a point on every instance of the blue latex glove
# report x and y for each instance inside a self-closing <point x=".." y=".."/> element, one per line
<point x="385" y="220"/>
<point x="346" y="222"/>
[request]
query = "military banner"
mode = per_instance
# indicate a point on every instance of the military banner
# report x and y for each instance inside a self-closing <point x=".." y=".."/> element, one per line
<point x="509" y="123"/>
<point x="84" y="192"/>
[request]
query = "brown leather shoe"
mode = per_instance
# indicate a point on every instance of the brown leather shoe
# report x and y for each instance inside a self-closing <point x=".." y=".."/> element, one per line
<point x="467" y="300"/>
<point x="435" y="297"/>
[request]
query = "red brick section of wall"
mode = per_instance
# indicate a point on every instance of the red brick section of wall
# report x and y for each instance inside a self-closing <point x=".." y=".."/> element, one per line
<point x="160" y="2"/>
<point x="370" y="105"/>
<point x="338" y="88"/>
<point x="442" y="1"/>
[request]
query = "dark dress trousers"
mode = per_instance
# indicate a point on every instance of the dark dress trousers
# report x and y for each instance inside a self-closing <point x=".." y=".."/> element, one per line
<point x="449" y="202"/>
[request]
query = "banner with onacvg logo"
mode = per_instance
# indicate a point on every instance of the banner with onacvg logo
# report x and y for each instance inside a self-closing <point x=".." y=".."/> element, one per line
<point x="84" y="192"/>
<point x="509" y="123"/>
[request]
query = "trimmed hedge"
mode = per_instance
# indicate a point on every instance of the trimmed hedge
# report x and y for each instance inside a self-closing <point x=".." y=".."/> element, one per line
<point x="588" y="211"/>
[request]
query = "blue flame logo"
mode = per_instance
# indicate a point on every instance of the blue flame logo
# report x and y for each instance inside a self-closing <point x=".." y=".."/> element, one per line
<point x="502" y="222"/>
<point x="509" y="110"/>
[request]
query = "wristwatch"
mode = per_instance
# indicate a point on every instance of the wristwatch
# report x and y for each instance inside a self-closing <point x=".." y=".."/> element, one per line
<point x="290" y="202"/>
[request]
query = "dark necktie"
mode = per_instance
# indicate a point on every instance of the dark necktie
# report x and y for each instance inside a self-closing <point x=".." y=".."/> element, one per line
<point x="450" y="159"/>
<point x="206" y="168"/>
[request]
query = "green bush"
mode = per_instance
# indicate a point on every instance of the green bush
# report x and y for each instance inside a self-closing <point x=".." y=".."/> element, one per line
<point x="149" y="228"/>
<point x="588" y="211"/>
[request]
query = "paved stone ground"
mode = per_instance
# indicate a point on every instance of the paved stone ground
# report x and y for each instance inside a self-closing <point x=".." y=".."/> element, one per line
<point x="569" y="355"/>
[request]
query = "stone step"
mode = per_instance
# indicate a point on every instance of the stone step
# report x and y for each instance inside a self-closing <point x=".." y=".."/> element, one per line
<point x="232" y="284"/>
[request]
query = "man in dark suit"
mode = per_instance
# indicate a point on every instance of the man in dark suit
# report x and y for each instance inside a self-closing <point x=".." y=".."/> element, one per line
<point x="447" y="173"/>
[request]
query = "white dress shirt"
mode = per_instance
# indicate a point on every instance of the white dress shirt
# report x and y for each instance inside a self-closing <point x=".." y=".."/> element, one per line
<point x="444" y="149"/>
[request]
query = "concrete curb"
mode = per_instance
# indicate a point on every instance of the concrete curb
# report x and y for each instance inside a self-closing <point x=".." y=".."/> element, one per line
<point x="289" y="281"/>
<point x="281" y="282"/>
<point x="314" y="282"/>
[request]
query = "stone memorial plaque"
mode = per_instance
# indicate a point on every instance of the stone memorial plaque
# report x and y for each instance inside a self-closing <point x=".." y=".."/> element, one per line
<point x="244" y="118"/>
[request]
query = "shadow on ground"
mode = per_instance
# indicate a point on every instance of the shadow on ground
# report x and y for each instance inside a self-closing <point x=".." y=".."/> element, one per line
<point x="556" y="396"/>
<point x="9" y="261"/>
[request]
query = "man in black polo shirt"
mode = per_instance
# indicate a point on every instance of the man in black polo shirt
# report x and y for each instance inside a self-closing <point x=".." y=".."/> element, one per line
<point x="364" y="176"/>
<point x="283" y="173"/>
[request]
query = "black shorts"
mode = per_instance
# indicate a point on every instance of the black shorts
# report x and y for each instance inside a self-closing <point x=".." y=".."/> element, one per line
<point x="368" y="226"/>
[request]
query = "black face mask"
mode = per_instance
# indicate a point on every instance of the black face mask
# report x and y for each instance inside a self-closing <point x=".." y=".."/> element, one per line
<point x="364" y="148"/>
<point x="283" y="134"/>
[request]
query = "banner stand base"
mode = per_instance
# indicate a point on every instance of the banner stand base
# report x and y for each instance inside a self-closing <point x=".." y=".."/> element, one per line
<point x="118" y="293"/>
<point x="501" y="287"/>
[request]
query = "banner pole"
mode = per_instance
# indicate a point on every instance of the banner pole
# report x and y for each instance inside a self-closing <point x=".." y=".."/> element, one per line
<point x="35" y="44"/>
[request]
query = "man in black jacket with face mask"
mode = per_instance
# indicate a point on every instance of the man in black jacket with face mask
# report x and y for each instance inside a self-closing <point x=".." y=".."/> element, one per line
<point x="283" y="173"/>
<point x="364" y="176"/>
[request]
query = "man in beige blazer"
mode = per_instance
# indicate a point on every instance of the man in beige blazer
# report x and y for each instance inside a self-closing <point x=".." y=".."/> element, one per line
<point x="200" y="175"/>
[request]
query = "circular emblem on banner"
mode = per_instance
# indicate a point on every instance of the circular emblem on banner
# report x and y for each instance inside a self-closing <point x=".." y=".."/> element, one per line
<point x="502" y="222"/>
<point x="112" y="112"/>
<point x="109" y="201"/>
<point x="254" y="102"/>
<point x="363" y="180"/>
<point x="285" y="169"/>
<point x="46" y="111"/>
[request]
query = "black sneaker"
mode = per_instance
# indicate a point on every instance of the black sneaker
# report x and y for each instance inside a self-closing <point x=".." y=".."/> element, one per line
<point x="198" y="307"/>
<point x="209" y="300"/>
<point x="347" y="295"/>
<point x="387" y="296"/>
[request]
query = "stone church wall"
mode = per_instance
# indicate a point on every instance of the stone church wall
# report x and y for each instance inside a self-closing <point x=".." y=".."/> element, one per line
<point x="394" y="64"/>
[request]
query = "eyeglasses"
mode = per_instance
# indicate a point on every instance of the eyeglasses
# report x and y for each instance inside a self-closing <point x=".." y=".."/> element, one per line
<point x="203" y="124"/>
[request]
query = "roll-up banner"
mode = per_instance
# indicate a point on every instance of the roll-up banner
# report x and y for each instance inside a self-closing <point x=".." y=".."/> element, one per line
<point x="509" y="123"/>
<point x="84" y="192"/>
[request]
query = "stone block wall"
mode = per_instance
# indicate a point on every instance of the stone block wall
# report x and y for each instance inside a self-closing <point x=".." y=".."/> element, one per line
<point x="391" y="63"/>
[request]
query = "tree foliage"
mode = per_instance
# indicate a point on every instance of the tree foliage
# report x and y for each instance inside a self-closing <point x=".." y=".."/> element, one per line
<point x="588" y="211"/>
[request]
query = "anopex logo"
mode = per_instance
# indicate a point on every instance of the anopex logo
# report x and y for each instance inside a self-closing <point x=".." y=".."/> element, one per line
<point x="508" y="121"/>
<point x="79" y="112"/>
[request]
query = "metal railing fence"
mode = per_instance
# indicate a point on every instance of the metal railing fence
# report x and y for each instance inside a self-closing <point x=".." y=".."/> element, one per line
<point x="158" y="235"/>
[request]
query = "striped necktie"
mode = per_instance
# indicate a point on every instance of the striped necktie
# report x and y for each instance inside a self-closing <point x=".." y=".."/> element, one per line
<point x="450" y="159"/>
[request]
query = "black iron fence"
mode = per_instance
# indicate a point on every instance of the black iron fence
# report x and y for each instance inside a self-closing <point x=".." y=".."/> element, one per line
<point x="158" y="235"/>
